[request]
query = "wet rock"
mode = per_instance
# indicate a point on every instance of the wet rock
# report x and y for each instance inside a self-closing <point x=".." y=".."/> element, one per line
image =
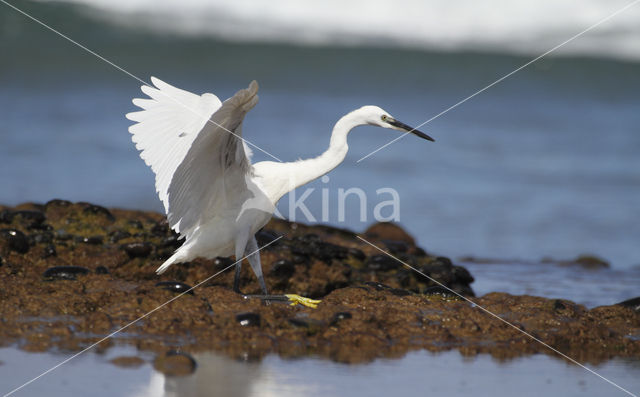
<point x="175" y="286"/>
<point x="311" y="325"/>
<point x="49" y="251"/>
<point x="42" y="238"/>
<point x="160" y="229"/>
<point x="591" y="262"/>
<point x="118" y="235"/>
<point x="136" y="224"/>
<point x="64" y="272"/>
<point x="175" y="363"/>
<point x="438" y="290"/>
<point x="63" y="235"/>
<point x="264" y="237"/>
<point x="382" y="263"/>
<point x="311" y="246"/>
<point x="633" y="303"/>
<point x="396" y="247"/>
<point x="33" y="219"/>
<point x="98" y="210"/>
<point x="356" y="253"/>
<point x="248" y="319"/>
<point x="340" y="316"/>
<point x="283" y="268"/>
<point x="6" y="216"/>
<point x="377" y="286"/>
<point x="173" y="241"/>
<point x="222" y="263"/>
<point x="93" y="240"/>
<point x="138" y="250"/>
<point x="57" y="203"/>
<point x="462" y="275"/>
<point x="400" y="292"/>
<point x="102" y="270"/>
<point x="16" y="240"/>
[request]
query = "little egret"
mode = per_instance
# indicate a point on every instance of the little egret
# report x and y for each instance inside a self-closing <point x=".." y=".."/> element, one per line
<point x="212" y="194"/>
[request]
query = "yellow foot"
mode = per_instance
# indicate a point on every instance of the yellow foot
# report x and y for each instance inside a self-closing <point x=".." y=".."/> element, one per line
<point x="297" y="299"/>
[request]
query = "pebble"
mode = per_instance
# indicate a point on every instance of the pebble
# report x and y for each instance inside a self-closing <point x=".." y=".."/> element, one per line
<point x="283" y="268"/>
<point x="93" y="240"/>
<point x="102" y="270"/>
<point x="382" y="263"/>
<point x="265" y="237"/>
<point x="175" y="363"/>
<point x="138" y="250"/>
<point x="49" y="250"/>
<point x="64" y="272"/>
<point x="35" y="218"/>
<point x="16" y="239"/>
<point x="248" y="319"/>
<point x="175" y="286"/>
<point x="340" y="316"/>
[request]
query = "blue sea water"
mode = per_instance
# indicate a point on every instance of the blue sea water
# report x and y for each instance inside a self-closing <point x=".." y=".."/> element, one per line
<point x="545" y="163"/>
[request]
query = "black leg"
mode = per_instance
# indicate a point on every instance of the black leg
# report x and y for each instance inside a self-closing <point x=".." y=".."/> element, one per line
<point x="236" y="279"/>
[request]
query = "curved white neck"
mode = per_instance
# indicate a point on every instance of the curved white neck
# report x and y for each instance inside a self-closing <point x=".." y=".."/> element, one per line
<point x="305" y="171"/>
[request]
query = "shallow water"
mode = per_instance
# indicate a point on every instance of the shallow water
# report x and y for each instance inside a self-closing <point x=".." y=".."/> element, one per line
<point x="416" y="373"/>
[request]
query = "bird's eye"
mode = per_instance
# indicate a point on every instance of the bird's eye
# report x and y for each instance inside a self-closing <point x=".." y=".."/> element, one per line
<point x="384" y="117"/>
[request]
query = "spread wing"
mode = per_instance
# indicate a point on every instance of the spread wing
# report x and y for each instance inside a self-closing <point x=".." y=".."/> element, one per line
<point x="202" y="171"/>
<point x="166" y="128"/>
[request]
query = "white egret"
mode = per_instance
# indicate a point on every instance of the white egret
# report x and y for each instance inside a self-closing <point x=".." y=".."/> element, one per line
<point x="212" y="194"/>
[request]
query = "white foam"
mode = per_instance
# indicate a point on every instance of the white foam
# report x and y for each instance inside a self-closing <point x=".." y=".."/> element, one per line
<point x="502" y="25"/>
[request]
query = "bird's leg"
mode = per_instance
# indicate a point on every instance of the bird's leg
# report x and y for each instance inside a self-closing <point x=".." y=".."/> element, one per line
<point x="254" y="260"/>
<point x="236" y="279"/>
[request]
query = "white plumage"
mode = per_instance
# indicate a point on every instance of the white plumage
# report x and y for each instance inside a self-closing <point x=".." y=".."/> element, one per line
<point x="212" y="194"/>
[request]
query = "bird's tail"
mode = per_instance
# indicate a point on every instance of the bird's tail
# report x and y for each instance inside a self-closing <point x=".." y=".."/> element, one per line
<point x="176" y="257"/>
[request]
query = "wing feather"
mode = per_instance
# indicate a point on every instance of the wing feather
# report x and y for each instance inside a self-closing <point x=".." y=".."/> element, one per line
<point x="212" y="178"/>
<point x="167" y="127"/>
<point x="201" y="167"/>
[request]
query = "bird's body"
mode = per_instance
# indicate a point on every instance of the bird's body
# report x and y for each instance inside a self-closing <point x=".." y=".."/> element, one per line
<point x="214" y="197"/>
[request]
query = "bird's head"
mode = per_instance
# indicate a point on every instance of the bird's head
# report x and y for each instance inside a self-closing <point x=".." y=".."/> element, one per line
<point x="374" y="115"/>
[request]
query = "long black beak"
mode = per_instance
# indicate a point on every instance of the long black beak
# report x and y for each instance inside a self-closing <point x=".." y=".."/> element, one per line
<point x="412" y="130"/>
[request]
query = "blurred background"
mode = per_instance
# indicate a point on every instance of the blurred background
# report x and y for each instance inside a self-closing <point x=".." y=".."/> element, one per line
<point x="544" y="164"/>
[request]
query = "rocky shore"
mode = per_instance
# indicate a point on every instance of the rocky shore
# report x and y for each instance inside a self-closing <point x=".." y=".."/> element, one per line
<point x="73" y="273"/>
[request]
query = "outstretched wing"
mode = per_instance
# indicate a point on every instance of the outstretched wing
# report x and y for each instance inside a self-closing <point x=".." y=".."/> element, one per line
<point x="211" y="178"/>
<point x="166" y="128"/>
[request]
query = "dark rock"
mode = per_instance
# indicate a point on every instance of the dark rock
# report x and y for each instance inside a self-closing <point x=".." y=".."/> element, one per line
<point x="63" y="235"/>
<point x="136" y="224"/>
<point x="439" y="290"/>
<point x="175" y="363"/>
<point x="377" y="286"/>
<point x="311" y="246"/>
<point x="356" y="253"/>
<point x="283" y="268"/>
<point x="462" y="275"/>
<point x="591" y="262"/>
<point x="248" y="319"/>
<point x="396" y="247"/>
<point x="102" y="270"/>
<point x="633" y="303"/>
<point x="222" y="262"/>
<point x="98" y="210"/>
<point x="33" y="219"/>
<point x="173" y="241"/>
<point x="175" y="286"/>
<point x="49" y="250"/>
<point x="93" y="240"/>
<point x="42" y="238"/>
<point x="16" y="240"/>
<point x="6" y="216"/>
<point x="382" y="263"/>
<point x="311" y="325"/>
<point x="340" y="316"/>
<point x="160" y="229"/>
<point x="264" y="237"/>
<point x="138" y="250"/>
<point x="400" y="292"/>
<point x="118" y="235"/>
<point x="57" y="203"/>
<point x="64" y="272"/>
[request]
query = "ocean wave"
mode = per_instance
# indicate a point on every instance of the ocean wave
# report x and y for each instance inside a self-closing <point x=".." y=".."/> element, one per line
<point x="492" y="25"/>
